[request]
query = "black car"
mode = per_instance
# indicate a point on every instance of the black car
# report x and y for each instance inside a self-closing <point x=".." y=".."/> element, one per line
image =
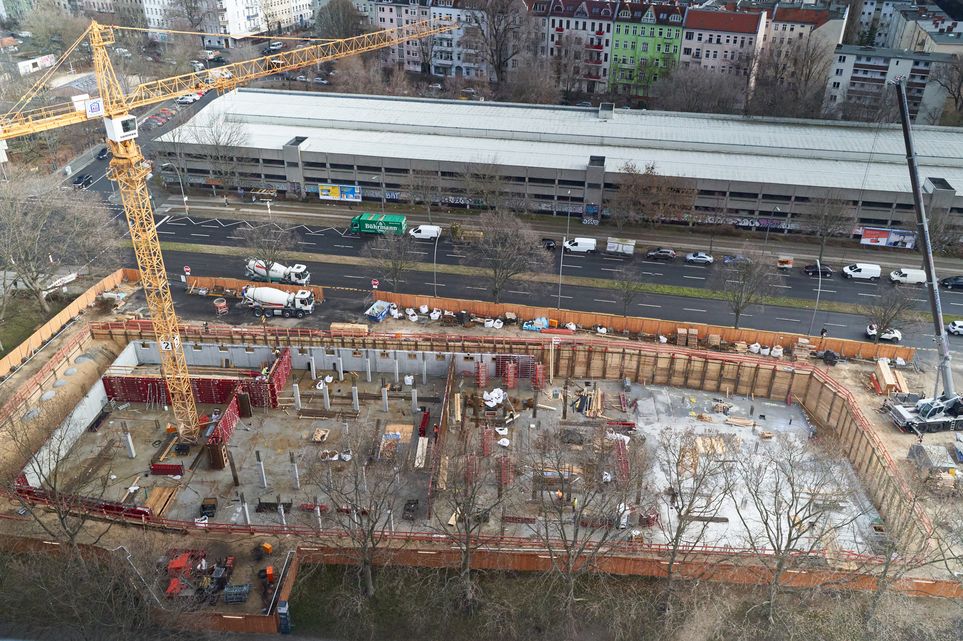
<point x="83" y="181"/>
<point x="812" y="270"/>
<point x="660" y="253"/>
<point x="952" y="282"/>
<point x="219" y="60"/>
<point x="103" y="153"/>
<point x="549" y="244"/>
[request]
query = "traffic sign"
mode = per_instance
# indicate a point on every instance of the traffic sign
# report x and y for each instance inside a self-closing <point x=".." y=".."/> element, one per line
<point x="187" y="270"/>
<point x="374" y="283"/>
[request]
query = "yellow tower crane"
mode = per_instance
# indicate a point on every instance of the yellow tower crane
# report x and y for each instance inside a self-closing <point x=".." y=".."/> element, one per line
<point x="130" y="170"/>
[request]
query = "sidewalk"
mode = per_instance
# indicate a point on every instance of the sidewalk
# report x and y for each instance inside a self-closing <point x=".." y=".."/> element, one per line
<point x="682" y="239"/>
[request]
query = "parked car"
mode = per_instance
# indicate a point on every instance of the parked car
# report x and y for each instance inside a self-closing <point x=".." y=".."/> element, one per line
<point x="890" y="334"/>
<point x="661" y="253"/>
<point x="956" y="327"/>
<point x="813" y="270"/>
<point x="167" y="111"/>
<point x="103" y="153"/>
<point x="189" y="99"/>
<point x="862" y="271"/>
<point x="735" y="259"/>
<point x="218" y="59"/>
<point x="469" y="91"/>
<point x="584" y="103"/>
<point x="699" y="258"/>
<point x="83" y="181"/>
<point x="320" y="81"/>
<point x="907" y="276"/>
<point x="549" y="244"/>
<point x="580" y="245"/>
<point x="302" y="78"/>
<point x="435" y="86"/>
<point x="952" y="282"/>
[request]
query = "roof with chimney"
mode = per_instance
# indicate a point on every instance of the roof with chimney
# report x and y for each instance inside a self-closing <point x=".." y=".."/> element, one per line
<point x="727" y="21"/>
<point x="795" y="15"/>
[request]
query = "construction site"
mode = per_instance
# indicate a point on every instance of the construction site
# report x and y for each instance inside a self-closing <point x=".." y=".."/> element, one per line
<point x="508" y="436"/>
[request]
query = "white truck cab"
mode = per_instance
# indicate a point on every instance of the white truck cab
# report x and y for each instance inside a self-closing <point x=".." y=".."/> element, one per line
<point x="862" y="271"/>
<point x="425" y="232"/>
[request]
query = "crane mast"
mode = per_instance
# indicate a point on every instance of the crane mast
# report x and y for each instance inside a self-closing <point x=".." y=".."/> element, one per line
<point x="130" y="169"/>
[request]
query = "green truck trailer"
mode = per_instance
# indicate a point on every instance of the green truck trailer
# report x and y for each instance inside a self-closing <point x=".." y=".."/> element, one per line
<point x="392" y="224"/>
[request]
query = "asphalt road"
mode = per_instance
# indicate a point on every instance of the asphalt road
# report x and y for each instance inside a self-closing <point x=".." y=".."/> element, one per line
<point x="336" y="241"/>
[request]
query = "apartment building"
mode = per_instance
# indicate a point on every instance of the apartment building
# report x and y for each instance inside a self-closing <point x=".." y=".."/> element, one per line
<point x="873" y="19"/>
<point x="725" y="42"/>
<point x="861" y="76"/>
<point x="925" y="28"/>
<point x="579" y="39"/>
<point x="284" y="15"/>
<point x="454" y="54"/>
<point x="233" y="17"/>
<point x="646" y="43"/>
<point x="796" y="24"/>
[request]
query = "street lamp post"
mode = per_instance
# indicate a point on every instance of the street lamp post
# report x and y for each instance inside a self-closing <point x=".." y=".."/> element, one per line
<point x="769" y="226"/>
<point x="561" y="257"/>
<point x="382" y="179"/>
<point x="819" y="289"/>
<point x="434" y="267"/>
<point x="179" y="180"/>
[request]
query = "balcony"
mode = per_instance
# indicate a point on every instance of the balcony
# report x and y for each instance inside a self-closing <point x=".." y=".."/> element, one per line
<point x="593" y="61"/>
<point x="559" y="29"/>
<point x="592" y="74"/>
<point x="594" y="47"/>
<point x="600" y="33"/>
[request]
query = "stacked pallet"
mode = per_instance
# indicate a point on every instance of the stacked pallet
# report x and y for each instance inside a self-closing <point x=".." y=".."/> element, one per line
<point x="693" y="338"/>
<point x="714" y="340"/>
<point x="802" y="350"/>
<point x="681" y="336"/>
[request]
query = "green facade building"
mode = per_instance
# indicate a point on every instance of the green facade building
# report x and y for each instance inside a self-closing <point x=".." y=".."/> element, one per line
<point x="646" y="42"/>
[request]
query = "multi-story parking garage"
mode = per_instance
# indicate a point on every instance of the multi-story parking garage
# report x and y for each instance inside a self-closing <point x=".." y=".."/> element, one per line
<point x="748" y="171"/>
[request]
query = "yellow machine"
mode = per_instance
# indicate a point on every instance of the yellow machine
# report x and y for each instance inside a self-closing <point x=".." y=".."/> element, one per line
<point x="130" y="170"/>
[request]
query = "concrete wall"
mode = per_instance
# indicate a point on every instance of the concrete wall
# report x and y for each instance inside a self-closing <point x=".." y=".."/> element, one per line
<point x="64" y="437"/>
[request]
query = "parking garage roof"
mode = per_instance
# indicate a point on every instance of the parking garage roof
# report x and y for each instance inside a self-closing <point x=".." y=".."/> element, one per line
<point x="826" y="154"/>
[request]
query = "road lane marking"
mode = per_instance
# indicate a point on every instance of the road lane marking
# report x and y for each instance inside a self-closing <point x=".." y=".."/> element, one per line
<point x="350" y="276"/>
<point x="436" y="284"/>
<point x="826" y="291"/>
<point x="602" y="300"/>
<point x="695" y="277"/>
<point x="859" y="282"/>
<point x="161" y="221"/>
<point x="172" y="233"/>
<point x="690" y="309"/>
<point x="413" y="252"/>
<point x="611" y="269"/>
<point x="613" y="258"/>
<point x="575" y="266"/>
<point x="650" y="305"/>
<point x="957" y="304"/>
<point x="835" y="325"/>
<point x="791" y="320"/>
<point x="345" y="246"/>
<point x="481" y="289"/>
<point x="919" y="300"/>
<point x="651" y="273"/>
<point x="179" y="224"/>
<point x="212" y="226"/>
<point x="872" y="295"/>
<point x="515" y="291"/>
<point x="301" y="242"/>
<point x="456" y="255"/>
<point x="202" y="235"/>
<point x="231" y="237"/>
<point x="783" y="286"/>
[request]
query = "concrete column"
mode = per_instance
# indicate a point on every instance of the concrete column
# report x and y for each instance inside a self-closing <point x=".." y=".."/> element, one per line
<point x="297" y="476"/>
<point x="284" y="521"/>
<point x="384" y="398"/>
<point x="354" y="398"/>
<point x="260" y="468"/>
<point x="311" y="368"/>
<point x="327" y="396"/>
<point x="367" y="369"/>
<point x="340" y="365"/>
<point x="397" y="369"/>
<point x="297" y="395"/>
<point x="247" y="514"/>
<point x="424" y="372"/>
<point x="129" y="442"/>
<point x="414" y="399"/>
<point x="317" y="511"/>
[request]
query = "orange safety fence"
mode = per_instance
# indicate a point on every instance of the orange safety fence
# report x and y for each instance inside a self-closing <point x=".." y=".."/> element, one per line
<point x="650" y="326"/>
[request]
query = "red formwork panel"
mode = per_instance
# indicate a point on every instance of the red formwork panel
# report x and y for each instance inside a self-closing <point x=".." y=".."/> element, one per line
<point x="259" y="391"/>
<point x="136" y="389"/>
<point x="167" y="469"/>
<point x="225" y="425"/>
<point x="278" y="377"/>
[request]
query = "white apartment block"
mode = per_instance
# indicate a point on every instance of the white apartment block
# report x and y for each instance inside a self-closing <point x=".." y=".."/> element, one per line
<point x="796" y="23"/>
<point x="874" y="18"/>
<point x="282" y="15"/>
<point x="861" y="75"/>
<point x="162" y="14"/>
<point x="581" y="34"/>
<point x="233" y="18"/>
<point x="925" y="28"/>
<point x="723" y="41"/>
<point x="451" y="53"/>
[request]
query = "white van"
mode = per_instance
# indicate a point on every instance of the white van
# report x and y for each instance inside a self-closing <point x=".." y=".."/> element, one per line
<point x="906" y="276"/>
<point x="862" y="271"/>
<point x="425" y="232"/>
<point x="579" y="245"/>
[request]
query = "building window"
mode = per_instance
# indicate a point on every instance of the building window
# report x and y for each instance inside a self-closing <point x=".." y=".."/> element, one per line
<point x="839" y="72"/>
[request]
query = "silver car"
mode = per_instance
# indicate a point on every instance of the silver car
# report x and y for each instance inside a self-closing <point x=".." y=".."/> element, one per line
<point x="699" y="258"/>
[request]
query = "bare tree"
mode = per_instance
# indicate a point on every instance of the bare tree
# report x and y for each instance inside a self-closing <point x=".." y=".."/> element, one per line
<point x="484" y="186"/>
<point x="393" y="257"/>
<point x="339" y="19"/>
<point x="648" y="195"/>
<point x="53" y="28"/>
<point x="888" y="307"/>
<point x="364" y="492"/>
<point x="566" y="63"/>
<point x="426" y="51"/>
<point x="795" y="504"/>
<point x="268" y="241"/>
<point x="222" y="137"/>
<point x="696" y="471"/>
<point x="531" y="83"/>
<point x="827" y="218"/>
<point x="628" y="283"/>
<point x="946" y="233"/>
<point x="697" y="90"/>
<point x="425" y="188"/>
<point x="508" y="249"/>
<point x="47" y="234"/>
<point x="747" y="281"/>
<point x="950" y="77"/>
<point x="500" y="31"/>
<point x="360" y="75"/>
<point x="790" y="79"/>
<point x="583" y="495"/>
<point x="192" y="14"/>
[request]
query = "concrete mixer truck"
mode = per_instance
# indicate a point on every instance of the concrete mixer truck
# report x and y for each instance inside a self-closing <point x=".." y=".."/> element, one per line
<point x="259" y="270"/>
<point x="268" y="301"/>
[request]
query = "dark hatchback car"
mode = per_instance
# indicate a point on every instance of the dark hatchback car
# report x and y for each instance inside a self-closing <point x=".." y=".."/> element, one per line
<point x="549" y="244"/>
<point x="660" y="253"/>
<point x="103" y="153"/>
<point x="83" y="181"/>
<point x="952" y="282"/>
<point x="812" y="270"/>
